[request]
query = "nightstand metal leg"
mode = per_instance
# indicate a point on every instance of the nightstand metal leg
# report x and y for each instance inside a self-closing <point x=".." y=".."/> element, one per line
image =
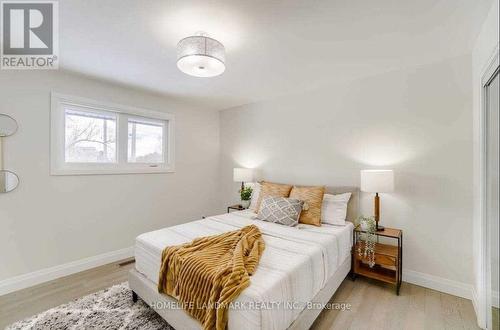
<point x="352" y="274"/>
<point x="400" y="262"/>
<point x="353" y="256"/>
<point x="401" y="256"/>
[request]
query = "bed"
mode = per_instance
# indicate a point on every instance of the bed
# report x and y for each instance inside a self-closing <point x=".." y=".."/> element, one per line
<point x="301" y="265"/>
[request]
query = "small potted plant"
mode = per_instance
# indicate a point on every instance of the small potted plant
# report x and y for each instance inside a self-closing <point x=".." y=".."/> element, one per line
<point x="246" y="196"/>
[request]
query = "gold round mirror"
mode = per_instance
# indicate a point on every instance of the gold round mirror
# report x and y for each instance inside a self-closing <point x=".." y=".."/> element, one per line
<point x="8" y="181"/>
<point x="8" y="125"/>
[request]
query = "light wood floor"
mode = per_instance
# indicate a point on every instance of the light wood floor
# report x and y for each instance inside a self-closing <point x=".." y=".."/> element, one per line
<point x="24" y="303"/>
<point x="374" y="305"/>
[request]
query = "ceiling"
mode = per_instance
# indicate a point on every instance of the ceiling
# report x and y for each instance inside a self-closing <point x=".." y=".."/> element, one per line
<point x="272" y="47"/>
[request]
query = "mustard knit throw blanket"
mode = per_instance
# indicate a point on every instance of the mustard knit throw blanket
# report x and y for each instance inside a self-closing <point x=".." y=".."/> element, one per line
<point x="210" y="272"/>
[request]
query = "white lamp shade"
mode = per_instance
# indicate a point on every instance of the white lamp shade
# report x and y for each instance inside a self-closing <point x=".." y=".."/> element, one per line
<point x="243" y="175"/>
<point x="377" y="181"/>
<point x="201" y="56"/>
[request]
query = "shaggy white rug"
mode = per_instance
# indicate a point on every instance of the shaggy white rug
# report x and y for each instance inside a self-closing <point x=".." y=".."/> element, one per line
<point x="111" y="309"/>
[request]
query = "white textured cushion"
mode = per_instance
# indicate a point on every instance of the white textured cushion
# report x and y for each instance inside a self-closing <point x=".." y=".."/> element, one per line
<point x="255" y="195"/>
<point x="334" y="208"/>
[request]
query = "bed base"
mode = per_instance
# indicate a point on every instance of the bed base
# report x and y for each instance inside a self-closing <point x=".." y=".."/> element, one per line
<point x="180" y="320"/>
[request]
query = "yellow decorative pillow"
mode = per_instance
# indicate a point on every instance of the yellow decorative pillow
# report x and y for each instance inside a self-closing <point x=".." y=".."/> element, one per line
<point x="273" y="190"/>
<point x="313" y="198"/>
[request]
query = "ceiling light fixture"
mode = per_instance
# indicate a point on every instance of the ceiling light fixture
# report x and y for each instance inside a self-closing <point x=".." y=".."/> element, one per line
<point x="201" y="56"/>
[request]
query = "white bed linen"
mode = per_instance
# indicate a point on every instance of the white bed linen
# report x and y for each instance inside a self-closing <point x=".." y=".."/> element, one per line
<point x="296" y="263"/>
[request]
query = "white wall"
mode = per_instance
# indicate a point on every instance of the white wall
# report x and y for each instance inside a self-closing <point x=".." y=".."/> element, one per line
<point x="415" y="121"/>
<point x="51" y="220"/>
<point x="484" y="48"/>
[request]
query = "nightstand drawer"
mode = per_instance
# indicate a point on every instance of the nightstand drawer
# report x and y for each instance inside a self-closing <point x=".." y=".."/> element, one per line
<point x="382" y="260"/>
<point x="385" y="255"/>
<point x="385" y="260"/>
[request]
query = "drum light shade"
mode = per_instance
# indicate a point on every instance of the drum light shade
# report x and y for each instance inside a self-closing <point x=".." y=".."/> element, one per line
<point x="201" y="56"/>
<point x="242" y="175"/>
<point x="379" y="181"/>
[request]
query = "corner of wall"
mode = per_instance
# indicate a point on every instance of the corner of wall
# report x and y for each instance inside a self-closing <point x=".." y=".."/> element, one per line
<point x="476" y="303"/>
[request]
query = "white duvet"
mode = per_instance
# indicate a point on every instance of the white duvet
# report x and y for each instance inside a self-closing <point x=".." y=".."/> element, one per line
<point x="296" y="264"/>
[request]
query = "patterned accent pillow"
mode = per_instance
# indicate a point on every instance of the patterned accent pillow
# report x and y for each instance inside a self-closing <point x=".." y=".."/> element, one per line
<point x="280" y="210"/>
<point x="313" y="198"/>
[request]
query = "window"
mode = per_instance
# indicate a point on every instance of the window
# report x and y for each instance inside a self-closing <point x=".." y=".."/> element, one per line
<point x="89" y="137"/>
<point x="145" y="141"/>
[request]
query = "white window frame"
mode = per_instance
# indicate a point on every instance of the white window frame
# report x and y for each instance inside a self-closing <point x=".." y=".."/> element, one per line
<point x="58" y="166"/>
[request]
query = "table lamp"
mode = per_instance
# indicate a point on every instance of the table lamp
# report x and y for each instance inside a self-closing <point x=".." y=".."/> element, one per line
<point x="242" y="175"/>
<point x="377" y="181"/>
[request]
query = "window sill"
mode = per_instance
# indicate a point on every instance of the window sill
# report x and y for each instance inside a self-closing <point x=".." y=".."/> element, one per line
<point x="114" y="171"/>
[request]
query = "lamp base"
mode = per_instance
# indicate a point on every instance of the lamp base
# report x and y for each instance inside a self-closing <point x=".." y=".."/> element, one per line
<point x="376" y="201"/>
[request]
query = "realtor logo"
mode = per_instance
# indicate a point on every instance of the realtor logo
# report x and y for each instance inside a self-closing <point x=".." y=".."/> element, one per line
<point x="29" y="31"/>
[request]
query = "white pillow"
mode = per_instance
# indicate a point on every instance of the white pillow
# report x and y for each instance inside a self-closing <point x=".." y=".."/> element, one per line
<point x="334" y="208"/>
<point x="255" y="195"/>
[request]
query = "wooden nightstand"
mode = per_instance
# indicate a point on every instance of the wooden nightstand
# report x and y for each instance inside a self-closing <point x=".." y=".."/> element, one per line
<point x="235" y="207"/>
<point x="388" y="258"/>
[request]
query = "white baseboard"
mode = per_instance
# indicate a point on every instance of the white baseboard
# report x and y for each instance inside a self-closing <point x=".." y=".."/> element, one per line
<point x="48" y="274"/>
<point x="438" y="283"/>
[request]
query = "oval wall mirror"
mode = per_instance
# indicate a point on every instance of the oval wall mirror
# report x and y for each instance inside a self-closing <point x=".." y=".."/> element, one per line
<point x="8" y="181"/>
<point x="8" y="125"/>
